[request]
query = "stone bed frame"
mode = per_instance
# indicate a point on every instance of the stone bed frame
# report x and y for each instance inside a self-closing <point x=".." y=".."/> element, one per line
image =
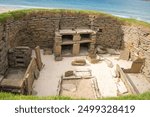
<point x="32" y="66"/>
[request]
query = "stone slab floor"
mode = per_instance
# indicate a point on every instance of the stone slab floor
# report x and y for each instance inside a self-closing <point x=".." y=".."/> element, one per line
<point x="48" y="81"/>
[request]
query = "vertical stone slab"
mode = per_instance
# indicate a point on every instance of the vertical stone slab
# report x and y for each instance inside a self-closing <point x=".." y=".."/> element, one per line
<point x="38" y="58"/>
<point x="76" y="49"/>
<point x="125" y="80"/>
<point x="137" y="65"/>
<point x="57" y="50"/>
<point x="58" y="37"/>
<point x="76" y="37"/>
<point x="125" y="54"/>
<point x="31" y="74"/>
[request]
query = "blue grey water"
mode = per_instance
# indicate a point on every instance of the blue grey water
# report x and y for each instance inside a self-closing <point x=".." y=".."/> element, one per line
<point x="138" y="9"/>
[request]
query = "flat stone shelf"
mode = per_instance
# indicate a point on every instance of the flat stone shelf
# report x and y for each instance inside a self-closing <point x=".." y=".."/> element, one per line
<point x="67" y="32"/>
<point x="65" y="42"/>
<point x="84" y="31"/>
<point x="72" y="42"/>
<point x="78" y="31"/>
<point x="85" y="41"/>
<point x="77" y="38"/>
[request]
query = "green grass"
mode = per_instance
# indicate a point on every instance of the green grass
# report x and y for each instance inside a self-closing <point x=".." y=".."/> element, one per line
<point x="21" y="13"/>
<point x="5" y="16"/>
<point x="131" y="21"/>
<point x="144" y="96"/>
<point x="9" y="96"/>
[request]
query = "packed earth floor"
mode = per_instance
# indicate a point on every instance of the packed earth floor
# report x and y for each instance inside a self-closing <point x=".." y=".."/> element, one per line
<point x="48" y="82"/>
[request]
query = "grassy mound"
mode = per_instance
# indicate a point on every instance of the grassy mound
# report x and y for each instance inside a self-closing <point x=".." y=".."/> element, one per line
<point x="21" y="13"/>
<point x="9" y="96"/>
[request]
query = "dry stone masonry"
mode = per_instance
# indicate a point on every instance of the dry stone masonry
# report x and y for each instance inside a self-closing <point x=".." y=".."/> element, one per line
<point x="19" y="56"/>
<point x="3" y="52"/>
<point x="137" y="40"/>
<point x="49" y="29"/>
<point x="74" y="41"/>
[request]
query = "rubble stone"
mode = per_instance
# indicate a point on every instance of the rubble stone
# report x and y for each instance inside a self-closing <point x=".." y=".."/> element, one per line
<point x="69" y="73"/>
<point x="101" y="50"/>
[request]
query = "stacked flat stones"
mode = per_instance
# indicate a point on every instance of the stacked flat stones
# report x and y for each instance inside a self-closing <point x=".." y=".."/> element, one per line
<point x="3" y="53"/>
<point x="19" y="56"/>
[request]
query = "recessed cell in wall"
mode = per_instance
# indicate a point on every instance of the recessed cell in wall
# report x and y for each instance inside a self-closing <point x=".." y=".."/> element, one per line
<point x="66" y="38"/>
<point x="67" y="50"/>
<point x="85" y="36"/>
<point x="84" y="48"/>
<point x="100" y="30"/>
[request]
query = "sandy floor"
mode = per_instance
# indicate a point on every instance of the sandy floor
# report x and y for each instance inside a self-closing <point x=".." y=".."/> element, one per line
<point x="104" y="75"/>
<point x="47" y="84"/>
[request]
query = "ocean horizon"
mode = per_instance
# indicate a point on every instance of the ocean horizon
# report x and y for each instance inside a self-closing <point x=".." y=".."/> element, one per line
<point x="137" y="9"/>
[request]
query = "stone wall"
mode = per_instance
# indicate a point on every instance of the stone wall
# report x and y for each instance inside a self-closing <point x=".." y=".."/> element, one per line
<point x="19" y="57"/>
<point x="73" y="21"/>
<point x="109" y="31"/>
<point x="137" y="39"/>
<point x="3" y="51"/>
<point x="38" y="28"/>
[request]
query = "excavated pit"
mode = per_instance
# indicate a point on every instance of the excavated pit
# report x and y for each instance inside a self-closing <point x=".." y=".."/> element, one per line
<point x="117" y="55"/>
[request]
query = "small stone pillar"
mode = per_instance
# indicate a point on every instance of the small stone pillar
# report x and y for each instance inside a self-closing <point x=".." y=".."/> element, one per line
<point x="76" y="49"/>
<point x="76" y="37"/>
<point x="57" y="50"/>
<point x="57" y="45"/>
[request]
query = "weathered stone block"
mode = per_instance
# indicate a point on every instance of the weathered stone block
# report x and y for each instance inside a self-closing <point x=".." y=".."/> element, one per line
<point x="76" y="49"/>
<point x="57" y="50"/>
<point x="76" y="37"/>
<point x="69" y="73"/>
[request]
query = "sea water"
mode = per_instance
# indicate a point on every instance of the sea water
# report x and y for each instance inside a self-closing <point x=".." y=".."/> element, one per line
<point x="138" y="9"/>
